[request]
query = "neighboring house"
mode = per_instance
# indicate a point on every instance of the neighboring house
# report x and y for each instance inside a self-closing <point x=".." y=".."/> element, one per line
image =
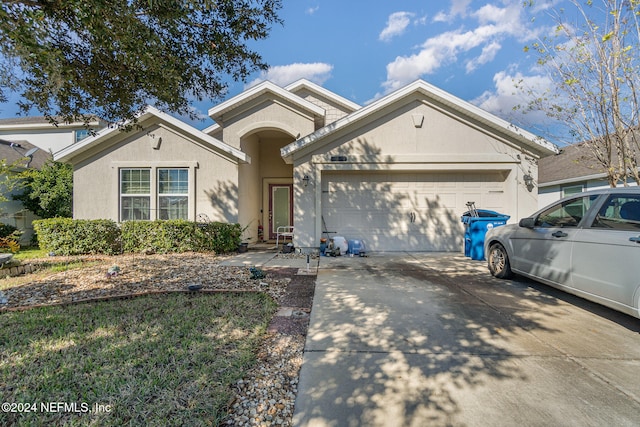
<point x="397" y="173"/>
<point x="41" y="133"/>
<point x="571" y="171"/>
<point x="22" y="155"/>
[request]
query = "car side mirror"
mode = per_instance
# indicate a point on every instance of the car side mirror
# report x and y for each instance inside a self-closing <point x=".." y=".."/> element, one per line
<point x="527" y="222"/>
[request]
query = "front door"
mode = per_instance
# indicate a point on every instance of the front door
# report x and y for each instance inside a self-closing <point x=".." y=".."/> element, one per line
<point x="280" y="207"/>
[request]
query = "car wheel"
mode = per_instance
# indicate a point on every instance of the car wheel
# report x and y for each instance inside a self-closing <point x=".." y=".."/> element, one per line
<point x="499" y="262"/>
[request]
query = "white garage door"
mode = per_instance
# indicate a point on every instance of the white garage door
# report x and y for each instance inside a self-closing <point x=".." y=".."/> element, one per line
<point x="407" y="211"/>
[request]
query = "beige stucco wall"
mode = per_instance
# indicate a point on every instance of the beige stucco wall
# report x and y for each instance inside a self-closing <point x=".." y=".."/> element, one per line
<point x="412" y="137"/>
<point x="266" y="114"/>
<point x="260" y="131"/>
<point x="333" y="110"/>
<point x="213" y="186"/>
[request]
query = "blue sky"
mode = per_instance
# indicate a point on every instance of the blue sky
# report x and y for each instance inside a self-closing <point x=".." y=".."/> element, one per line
<point x="363" y="50"/>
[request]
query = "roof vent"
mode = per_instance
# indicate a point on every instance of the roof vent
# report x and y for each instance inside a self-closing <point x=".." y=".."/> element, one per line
<point x="338" y="158"/>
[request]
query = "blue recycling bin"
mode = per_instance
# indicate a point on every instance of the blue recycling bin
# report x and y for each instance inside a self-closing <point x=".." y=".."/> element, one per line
<point x="476" y="228"/>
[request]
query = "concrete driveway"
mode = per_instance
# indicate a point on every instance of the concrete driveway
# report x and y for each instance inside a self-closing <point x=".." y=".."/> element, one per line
<point x="407" y="339"/>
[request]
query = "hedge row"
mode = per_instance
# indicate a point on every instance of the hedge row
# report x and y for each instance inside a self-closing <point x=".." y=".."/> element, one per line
<point x="66" y="236"/>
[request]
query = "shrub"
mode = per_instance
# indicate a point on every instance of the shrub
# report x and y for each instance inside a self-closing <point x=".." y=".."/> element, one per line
<point x="9" y="244"/>
<point x="66" y="236"/>
<point x="159" y="236"/>
<point x="164" y="236"/>
<point x="7" y="230"/>
<point x="219" y="236"/>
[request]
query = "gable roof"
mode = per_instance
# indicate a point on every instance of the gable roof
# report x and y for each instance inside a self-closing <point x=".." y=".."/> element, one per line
<point x="68" y="153"/>
<point x="436" y="95"/>
<point x="16" y="151"/>
<point x="265" y="88"/>
<point x="322" y="92"/>
<point x="294" y="88"/>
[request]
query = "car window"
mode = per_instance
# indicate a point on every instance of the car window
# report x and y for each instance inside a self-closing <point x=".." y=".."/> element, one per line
<point x="566" y="214"/>
<point x="619" y="212"/>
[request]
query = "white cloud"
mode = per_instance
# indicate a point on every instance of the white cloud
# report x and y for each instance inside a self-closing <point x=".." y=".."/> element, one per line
<point x="396" y="25"/>
<point x="494" y="24"/>
<point x="312" y="10"/>
<point x="488" y="54"/>
<point x="282" y="75"/>
<point x="458" y="8"/>
<point x="441" y="17"/>
<point x="513" y="89"/>
<point x="421" y="21"/>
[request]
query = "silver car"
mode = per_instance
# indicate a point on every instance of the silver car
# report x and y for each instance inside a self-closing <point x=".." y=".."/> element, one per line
<point x="587" y="244"/>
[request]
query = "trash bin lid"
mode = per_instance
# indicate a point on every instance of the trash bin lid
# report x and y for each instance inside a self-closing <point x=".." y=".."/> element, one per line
<point x="483" y="213"/>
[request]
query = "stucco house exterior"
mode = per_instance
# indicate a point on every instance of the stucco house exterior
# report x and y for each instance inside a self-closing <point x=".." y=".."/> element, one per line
<point x="40" y="132"/>
<point x="571" y="171"/>
<point x="396" y="173"/>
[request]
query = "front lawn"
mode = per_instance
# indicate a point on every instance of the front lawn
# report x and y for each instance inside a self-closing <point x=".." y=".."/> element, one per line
<point x="166" y="359"/>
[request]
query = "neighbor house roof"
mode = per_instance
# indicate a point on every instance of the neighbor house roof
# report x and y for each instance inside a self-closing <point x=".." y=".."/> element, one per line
<point x="68" y="153"/>
<point x="23" y="154"/>
<point x="572" y="164"/>
<point x="40" y="122"/>
<point x="436" y="96"/>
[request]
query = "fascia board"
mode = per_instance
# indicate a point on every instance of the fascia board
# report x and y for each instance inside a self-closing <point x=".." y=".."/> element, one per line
<point x="47" y="126"/>
<point x="213" y="128"/>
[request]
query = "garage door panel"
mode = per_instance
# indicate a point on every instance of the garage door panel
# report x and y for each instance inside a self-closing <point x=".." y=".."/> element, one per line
<point x="407" y="211"/>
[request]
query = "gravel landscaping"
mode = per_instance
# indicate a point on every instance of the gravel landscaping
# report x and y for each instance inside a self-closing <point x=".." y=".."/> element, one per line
<point x="266" y="395"/>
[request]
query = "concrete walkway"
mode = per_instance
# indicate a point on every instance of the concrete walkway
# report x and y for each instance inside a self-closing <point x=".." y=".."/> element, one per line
<point x="405" y="339"/>
<point x="270" y="258"/>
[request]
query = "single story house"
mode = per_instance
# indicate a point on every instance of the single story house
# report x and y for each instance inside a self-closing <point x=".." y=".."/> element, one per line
<point x="397" y="173"/>
<point x="571" y="171"/>
<point x="20" y="155"/>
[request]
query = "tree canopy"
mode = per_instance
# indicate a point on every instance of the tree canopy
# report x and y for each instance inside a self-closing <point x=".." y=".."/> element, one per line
<point x="78" y="58"/>
<point x="47" y="192"/>
<point x="593" y="61"/>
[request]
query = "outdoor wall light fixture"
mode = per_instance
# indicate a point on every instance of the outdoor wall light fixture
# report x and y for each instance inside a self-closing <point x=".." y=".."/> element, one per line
<point x="528" y="181"/>
<point x="305" y="180"/>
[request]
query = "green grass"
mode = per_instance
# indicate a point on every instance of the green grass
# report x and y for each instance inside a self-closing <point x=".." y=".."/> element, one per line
<point x="154" y="360"/>
<point x="68" y="265"/>
<point x="30" y="253"/>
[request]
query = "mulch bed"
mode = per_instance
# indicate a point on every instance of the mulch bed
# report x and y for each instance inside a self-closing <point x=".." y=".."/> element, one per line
<point x="299" y="296"/>
<point x="145" y="274"/>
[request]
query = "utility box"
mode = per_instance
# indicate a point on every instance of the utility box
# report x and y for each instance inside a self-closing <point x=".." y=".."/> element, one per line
<point x="477" y="222"/>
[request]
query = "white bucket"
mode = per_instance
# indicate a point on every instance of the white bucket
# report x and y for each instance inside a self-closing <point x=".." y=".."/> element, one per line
<point x="341" y="242"/>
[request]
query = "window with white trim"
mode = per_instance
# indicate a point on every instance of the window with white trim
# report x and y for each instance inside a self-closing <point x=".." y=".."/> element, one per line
<point x="81" y="134"/>
<point x="135" y="194"/>
<point x="572" y="189"/>
<point x="173" y="193"/>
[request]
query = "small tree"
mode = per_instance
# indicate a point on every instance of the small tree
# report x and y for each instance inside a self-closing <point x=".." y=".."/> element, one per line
<point x="48" y="192"/>
<point x="8" y="179"/>
<point x="594" y="64"/>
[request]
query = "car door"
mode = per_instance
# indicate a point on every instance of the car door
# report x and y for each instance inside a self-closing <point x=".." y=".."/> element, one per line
<point x="606" y="254"/>
<point x="544" y="251"/>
